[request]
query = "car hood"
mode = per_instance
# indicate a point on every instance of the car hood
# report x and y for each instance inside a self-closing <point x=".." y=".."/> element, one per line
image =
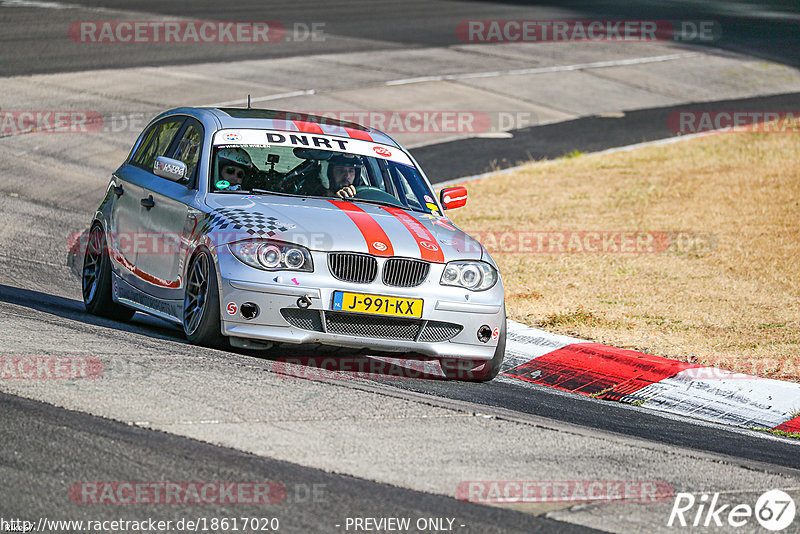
<point x="337" y="225"/>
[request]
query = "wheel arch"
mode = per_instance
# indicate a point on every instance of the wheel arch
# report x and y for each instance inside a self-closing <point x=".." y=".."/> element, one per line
<point x="201" y="245"/>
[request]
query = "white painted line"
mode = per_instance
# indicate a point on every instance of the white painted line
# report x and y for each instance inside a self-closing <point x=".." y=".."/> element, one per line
<point x="65" y="5"/>
<point x="472" y="75"/>
<point x="543" y="70"/>
<point x="276" y="96"/>
<point x="420" y="79"/>
<point x="34" y="3"/>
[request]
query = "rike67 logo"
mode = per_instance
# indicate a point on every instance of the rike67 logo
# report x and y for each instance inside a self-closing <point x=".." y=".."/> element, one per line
<point x="774" y="510"/>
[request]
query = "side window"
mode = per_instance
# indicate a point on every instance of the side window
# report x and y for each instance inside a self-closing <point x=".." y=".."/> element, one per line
<point x="189" y="147"/>
<point x="155" y="143"/>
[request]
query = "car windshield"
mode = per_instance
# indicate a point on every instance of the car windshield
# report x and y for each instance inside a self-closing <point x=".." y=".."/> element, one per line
<point x="312" y="172"/>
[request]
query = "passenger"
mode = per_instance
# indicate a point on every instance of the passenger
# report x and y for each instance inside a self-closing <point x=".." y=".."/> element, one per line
<point x="235" y="166"/>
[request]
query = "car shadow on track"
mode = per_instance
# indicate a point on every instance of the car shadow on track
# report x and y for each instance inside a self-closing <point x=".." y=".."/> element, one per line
<point x="313" y="363"/>
<point x="73" y="310"/>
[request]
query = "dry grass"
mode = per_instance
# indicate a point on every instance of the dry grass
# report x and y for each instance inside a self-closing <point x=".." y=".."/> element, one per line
<point x="736" y="306"/>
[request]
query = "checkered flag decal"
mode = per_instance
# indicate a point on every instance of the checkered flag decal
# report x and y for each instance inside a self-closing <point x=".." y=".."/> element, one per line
<point x="255" y="224"/>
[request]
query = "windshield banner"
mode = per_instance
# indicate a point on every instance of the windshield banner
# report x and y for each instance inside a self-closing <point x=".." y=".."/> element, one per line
<point x="306" y="140"/>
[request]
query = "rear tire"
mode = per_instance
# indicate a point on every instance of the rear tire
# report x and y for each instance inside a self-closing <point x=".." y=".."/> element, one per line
<point x="477" y="370"/>
<point x="201" y="316"/>
<point x="96" y="279"/>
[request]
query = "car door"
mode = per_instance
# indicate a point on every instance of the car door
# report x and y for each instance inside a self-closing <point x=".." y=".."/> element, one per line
<point x="127" y="189"/>
<point x="165" y="225"/>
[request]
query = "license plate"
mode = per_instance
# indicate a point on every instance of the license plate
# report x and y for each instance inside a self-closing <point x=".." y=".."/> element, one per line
<point x="376" y="304"/>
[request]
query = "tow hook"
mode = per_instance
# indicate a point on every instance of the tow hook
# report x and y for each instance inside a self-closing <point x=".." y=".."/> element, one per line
<point x="303" y="302"/>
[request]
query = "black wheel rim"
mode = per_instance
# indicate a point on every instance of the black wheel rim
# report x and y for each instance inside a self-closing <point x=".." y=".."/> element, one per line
<point x="196" y="293"/>
<point x="91" y="265"/>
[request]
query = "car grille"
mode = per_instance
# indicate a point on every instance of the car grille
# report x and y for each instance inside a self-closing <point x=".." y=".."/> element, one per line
<point x="354" y="324"/>
<point x="405" y="273"/>
<point x="305" y="319"/>
<point x="358" y="268"/>
<point x="438" y="331"/>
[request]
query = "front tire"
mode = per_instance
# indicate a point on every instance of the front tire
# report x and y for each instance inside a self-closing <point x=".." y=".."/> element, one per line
<point x="477" y="371"/>
<point x="96" y="280"/>
<point x="201" y="316"/>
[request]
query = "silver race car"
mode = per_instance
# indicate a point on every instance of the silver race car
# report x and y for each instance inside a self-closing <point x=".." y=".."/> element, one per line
<point x="263" y="228"/>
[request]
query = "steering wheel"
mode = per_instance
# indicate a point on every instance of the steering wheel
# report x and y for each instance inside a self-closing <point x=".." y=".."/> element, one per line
<point x="368" y="192"/>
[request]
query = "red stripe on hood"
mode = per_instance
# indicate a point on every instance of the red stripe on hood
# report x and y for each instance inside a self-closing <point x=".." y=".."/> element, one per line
<point x="369" y="228"/>
<point x="429" y="248"/>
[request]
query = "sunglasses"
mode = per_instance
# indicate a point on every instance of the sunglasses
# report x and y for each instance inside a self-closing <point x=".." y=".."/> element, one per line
<point x="234" y="171"/>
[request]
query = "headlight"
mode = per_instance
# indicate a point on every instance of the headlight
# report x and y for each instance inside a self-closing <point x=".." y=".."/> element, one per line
<point x="474" y="275"/>
<point x="272" y="255"/>
<point x="269" y="256"/>
<point x="294" y="258"/>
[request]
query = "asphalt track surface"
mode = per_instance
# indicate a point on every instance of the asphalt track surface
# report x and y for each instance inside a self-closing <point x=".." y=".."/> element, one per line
<point x="48" y="436"/>
<point x="508" y="397"/>
<point x="32" y="44"/>
<point x="56" y="443"/>
<point x="468" y="157"/>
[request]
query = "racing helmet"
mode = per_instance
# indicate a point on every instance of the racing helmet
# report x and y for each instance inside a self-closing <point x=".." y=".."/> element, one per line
<point x="235" y="156"/>
<point x="345" y="160"/>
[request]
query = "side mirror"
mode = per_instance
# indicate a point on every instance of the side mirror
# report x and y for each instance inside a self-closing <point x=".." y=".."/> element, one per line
<point x="453" y="197"/>
<point x="171" y="169"/>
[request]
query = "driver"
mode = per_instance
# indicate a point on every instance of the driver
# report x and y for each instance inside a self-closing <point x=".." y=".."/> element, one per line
<point x="235" y="166"/>
<point x="343" y="171"/>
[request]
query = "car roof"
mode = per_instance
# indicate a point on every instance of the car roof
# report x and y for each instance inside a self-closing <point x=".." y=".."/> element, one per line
<point x="288" y="121"/>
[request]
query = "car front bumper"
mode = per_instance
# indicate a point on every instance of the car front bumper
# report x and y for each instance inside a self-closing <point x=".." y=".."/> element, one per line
<point x="448" y="328"/>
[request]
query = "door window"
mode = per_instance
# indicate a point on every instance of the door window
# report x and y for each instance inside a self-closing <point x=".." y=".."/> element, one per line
<point x="156" y="142"/>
